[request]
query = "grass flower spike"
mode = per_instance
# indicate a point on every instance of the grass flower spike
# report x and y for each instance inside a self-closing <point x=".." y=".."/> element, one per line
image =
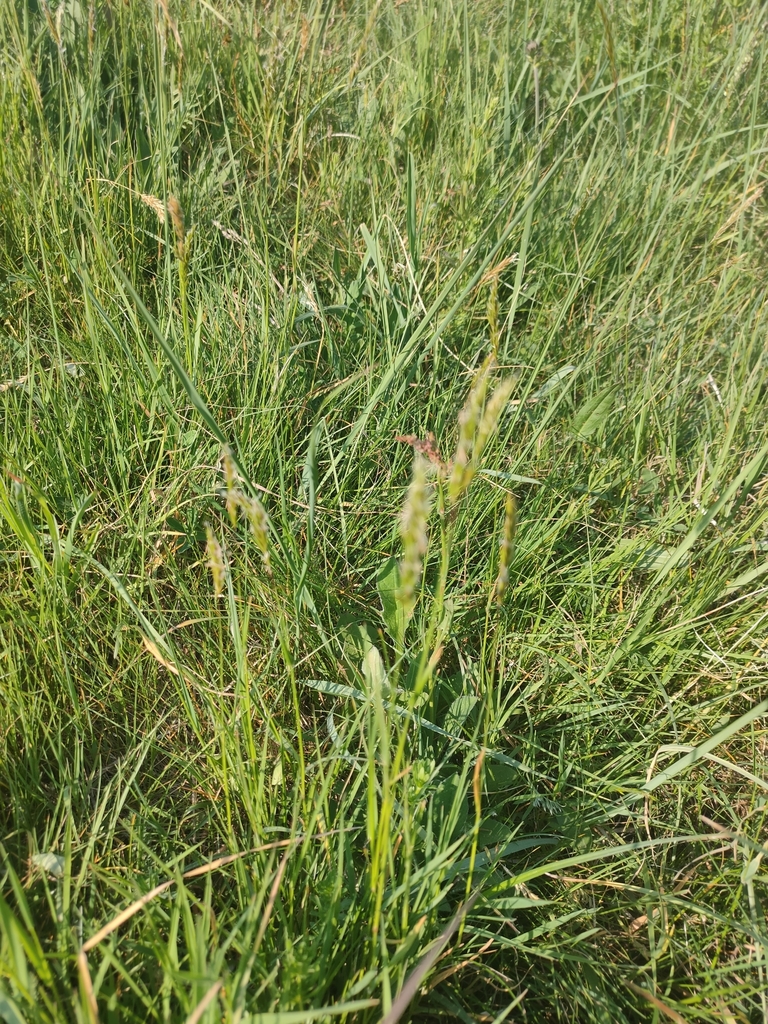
<point x="154" y="204"/>
<point x="234" y="497"/>
<point x="413" y="531"/>
<point x="468" y="420"/>
<point x="478" y="421"/>
<point x="216" y="563"/>
<point x="491" y="417"/>
<point x="259" y="523"/>
<point x="506" y="546"/>
<point x="177" y="219"/>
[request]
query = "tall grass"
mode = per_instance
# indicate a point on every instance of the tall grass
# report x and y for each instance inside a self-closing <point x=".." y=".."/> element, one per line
<point x="383" y="511"/>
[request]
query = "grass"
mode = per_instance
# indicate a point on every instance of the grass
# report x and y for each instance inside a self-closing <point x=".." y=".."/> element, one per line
<point x="476" y="737"/>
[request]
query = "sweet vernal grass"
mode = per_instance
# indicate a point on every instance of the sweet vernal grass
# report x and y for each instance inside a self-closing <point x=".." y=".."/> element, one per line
<point x="383" y="512"/>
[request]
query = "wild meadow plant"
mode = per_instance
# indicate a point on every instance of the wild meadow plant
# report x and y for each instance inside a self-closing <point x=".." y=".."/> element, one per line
<point x="383" y="511"/>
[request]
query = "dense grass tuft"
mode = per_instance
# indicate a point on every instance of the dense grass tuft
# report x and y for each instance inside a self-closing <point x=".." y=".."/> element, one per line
<point x="383" y="515"/>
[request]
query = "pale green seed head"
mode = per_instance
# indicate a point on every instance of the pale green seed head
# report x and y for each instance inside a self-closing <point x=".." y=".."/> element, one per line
<point x="216" y="562"/>
<point x="506" y="546"/>
<point x="468" y="420"/>
<point x="230" y="481"/>
<point x="413" y="532"/>
<point x="259" y="523"/>
<point x="489" y="422"/>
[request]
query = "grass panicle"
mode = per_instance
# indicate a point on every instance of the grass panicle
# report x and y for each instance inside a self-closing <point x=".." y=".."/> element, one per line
<point x="414" y="520"/>
<point x="216" y="561"/>
<point x="506" y="546"/>
<point x="469" y="418"/>
<point x="258" y="520"/>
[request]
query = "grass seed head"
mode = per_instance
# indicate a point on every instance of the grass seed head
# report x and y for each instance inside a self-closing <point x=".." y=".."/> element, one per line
<point x="493" y="313"/>
<point x="426" y="446"/>
<point x="216" y="562"/>
<point x="177" y="219"/>
<point x="171" y="24"/>
<point x="468" y="420"/>
<point x="231" y="480"/>
<point x="506" y="546"/>
<point x="491" y="418"/>
<point x="154" y="204"/>
<point x="413" y="532"/>
<point x="259" y="523"/>
<point x="304" y="37"/>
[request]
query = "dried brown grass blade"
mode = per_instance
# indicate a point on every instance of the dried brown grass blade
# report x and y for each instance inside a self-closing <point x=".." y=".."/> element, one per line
<point x="662" y="1007"/>
<point x="204" y="1003"/>
<point x="204" y="869"/>
<point x="127" y="914"/>
<point x="171" y="24"/>
<point x="744" y="205"/>
<point x="14" y="383"/>
<point x="85" y="981"/>
<point x="415" y="978"/>
<point x="123" y="916"/>
<point x="154" y="650"/>
<point x="450" y="971"/>
<point x="271" y="901"/>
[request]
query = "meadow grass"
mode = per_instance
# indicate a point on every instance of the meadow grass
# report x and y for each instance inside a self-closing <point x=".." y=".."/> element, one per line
<point x="383" y="515"/>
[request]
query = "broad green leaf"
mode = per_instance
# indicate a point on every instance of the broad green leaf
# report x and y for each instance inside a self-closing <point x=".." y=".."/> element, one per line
<point x="593" y="415"/>
<point x="514" y="478"/>
<point x="340" y="690"/>
<point x="649" y="482"/>
<point x="517" y="903"/>
<point x="498" y="777"/>
<point x="374" y="671"/>
<point x="651" y="559"/>
<point x="9" y="1011"/>
<point x="746" y="578"/>
<point x="388" y="581"/>
<point x="751" y="869"/>
<point x="357" y="635"/>
<point x="557" y="378"/>
<point x="637" y="554"/>
<point x="459" y="711"/>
